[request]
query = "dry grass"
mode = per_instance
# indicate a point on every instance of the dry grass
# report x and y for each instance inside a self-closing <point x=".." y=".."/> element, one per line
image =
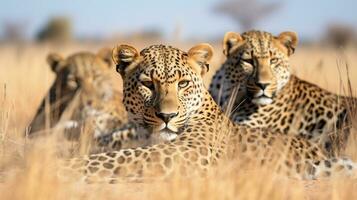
<point x="26" y="171"/>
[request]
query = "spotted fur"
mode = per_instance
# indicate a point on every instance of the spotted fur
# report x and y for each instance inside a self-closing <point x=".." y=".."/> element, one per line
<point x="164" y="92"/>
<point x="83" y="90"/>
<point x="269" y="96"/>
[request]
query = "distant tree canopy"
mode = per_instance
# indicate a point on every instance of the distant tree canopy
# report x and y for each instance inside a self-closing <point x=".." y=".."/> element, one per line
<point x="58" y="29"/>
<point x="340" y="35"/>
<point x="149" y="33"/>
<point x="246" y="13"/>
<point x="14" y="31"/>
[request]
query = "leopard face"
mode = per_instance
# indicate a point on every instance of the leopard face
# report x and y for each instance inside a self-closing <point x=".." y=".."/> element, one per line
<point x="160" y="88"/>
<point x="85" y="71"/>
<point x="82" y="70"/>
<point x="261" y="60"/>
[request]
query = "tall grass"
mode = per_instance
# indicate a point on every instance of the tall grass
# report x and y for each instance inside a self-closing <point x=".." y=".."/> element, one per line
<point x="27" y="167"/>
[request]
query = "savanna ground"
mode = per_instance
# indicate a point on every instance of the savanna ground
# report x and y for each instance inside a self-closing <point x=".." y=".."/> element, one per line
<point x="24" y="165"/>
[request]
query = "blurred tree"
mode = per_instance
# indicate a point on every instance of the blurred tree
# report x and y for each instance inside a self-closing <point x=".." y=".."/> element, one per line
<point x="14" y="31"/>
<point x="246" y="13"/>
<point x="340" y="35"/>
<point x="152" y="33"/>
<point x="58" y="29"/>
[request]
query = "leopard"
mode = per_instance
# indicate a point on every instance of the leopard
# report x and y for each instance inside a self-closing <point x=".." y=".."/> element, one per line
<point x="83" y="99"/>
<point x="164" y="92"/>
<point x="59" y="96"/>
<point x="256" y="86"/>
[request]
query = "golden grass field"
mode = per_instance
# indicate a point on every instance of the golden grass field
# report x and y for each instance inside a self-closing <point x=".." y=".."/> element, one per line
<point x="25" y="171"/>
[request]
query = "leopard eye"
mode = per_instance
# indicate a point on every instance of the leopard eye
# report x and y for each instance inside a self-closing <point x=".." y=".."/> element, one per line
<point x="273" y="61"/>
<point x="148" y="84"/>
<point x="183" y="84"/>
<point x="96" y="74"/>
<point x="71" y="82"/>
<point x="247" y="61"/>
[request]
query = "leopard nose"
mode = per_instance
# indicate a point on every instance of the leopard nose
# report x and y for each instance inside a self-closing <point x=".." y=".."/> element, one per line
<point x="262" y="85"/>
<point x="166" y="117"/>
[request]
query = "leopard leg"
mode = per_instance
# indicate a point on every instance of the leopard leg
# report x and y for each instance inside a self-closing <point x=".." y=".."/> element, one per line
<point x="331" y="167"/>
<point x="124" y="137"/>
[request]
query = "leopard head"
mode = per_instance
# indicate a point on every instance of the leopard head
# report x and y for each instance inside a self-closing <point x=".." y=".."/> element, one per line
<point x="261" y="61"/>
<point x="162" y="85"/>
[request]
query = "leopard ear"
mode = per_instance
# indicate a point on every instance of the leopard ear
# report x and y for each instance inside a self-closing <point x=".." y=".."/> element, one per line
<point x="200" y="54"/>
<point x="106" y="55"/>
<point x="124" y="57"/>
<point x="230" y="40"/>
<point x="289" y="40"/>
<point x="55" y="61"/>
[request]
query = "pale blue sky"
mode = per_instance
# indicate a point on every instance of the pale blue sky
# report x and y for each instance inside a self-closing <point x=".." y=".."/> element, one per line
<point x="102" y="18"/>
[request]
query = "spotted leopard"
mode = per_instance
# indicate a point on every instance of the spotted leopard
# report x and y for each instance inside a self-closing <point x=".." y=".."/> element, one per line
<point x="82" y="99"/>
<point x="267" y="95"/>
<point x="164" y="92"/>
